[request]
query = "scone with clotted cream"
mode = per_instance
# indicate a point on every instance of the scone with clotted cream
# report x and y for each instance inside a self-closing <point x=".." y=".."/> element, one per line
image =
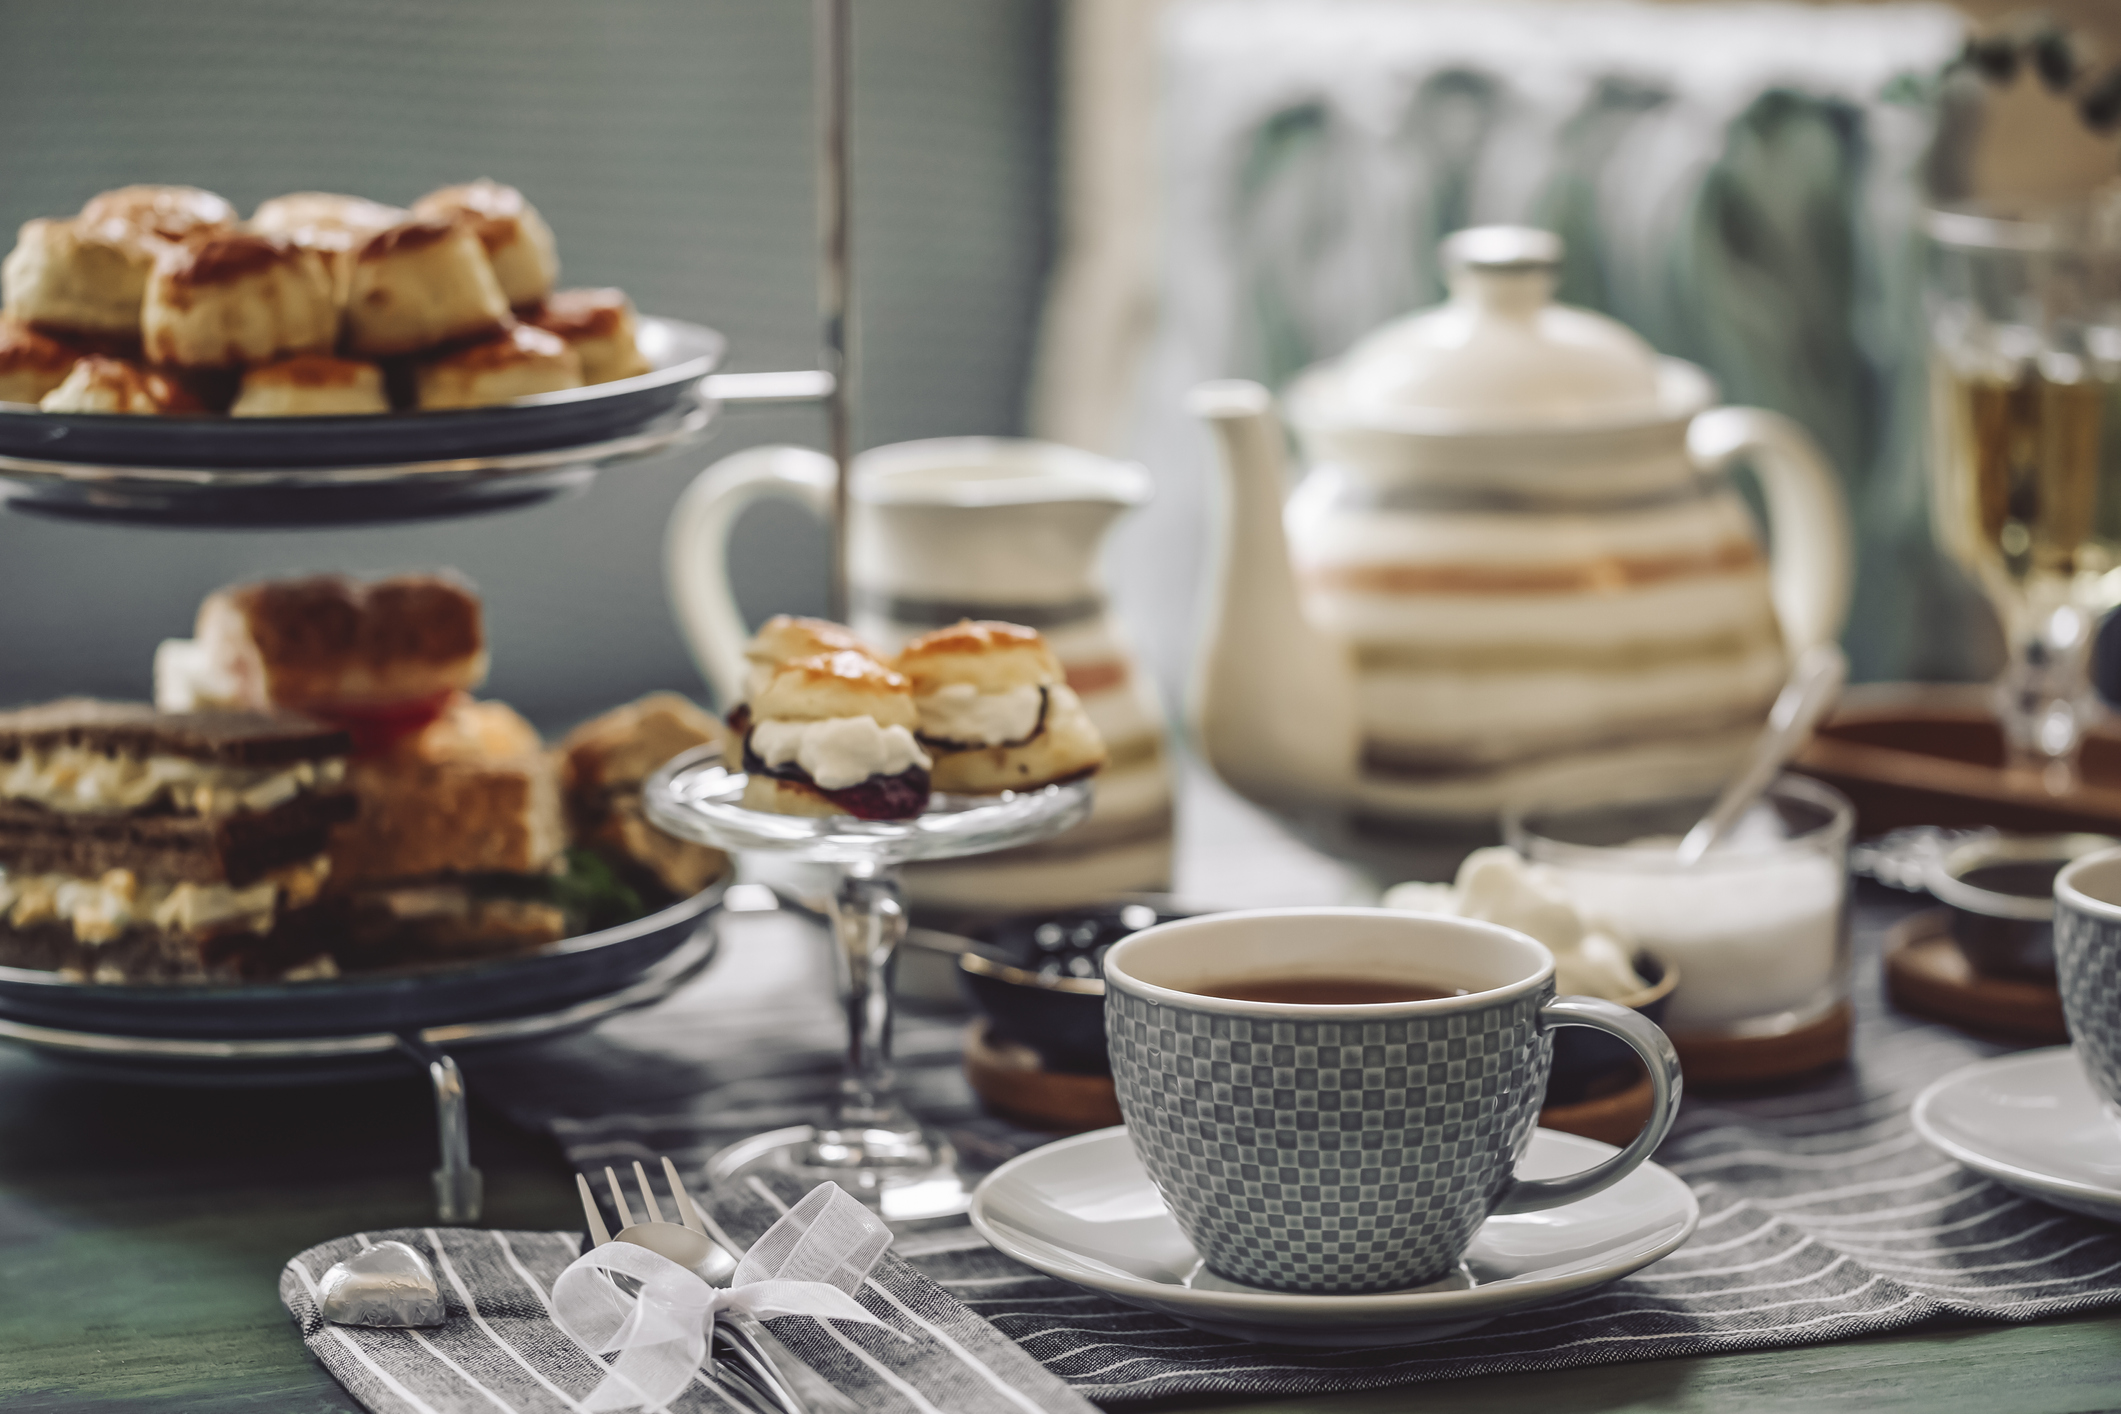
<point x="598" y="325"/>
<point x="420" y="285"/>
<point x="520" y="363"/>
<point x="236" y="297"/>
<point x="781" y="640"/>
<point x="525" y="259"/>
<point x="311" y="385"/>
<point x="31" y="364"/>
<point x="996" y="711"/>
<point x="99" y="383"/>
<point x="71" y="283"/>
<point x="833" y="735"/>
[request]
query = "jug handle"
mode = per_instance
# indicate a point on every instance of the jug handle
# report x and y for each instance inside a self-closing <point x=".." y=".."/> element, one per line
<point x="1808" y="515"/>
<point x="696" y="549"/>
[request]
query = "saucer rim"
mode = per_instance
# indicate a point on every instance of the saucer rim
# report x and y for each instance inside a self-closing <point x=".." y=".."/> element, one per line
<point x="1505" y="1294"/>
<point x="1987" y="1164"/>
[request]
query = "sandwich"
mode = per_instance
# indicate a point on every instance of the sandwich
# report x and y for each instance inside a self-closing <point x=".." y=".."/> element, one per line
<point x="995" y="710"/>
<point x="144" y="846"/>
<point x="833" y="735"/>
<point x="459" y="837"/>
<point x="603" y="764"/>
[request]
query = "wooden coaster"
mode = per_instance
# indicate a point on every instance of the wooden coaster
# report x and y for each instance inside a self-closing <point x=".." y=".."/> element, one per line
<point x="1013" y="1082"/>
<point x="1927" y="974"/>
<point x="1737" y="1062"/>
<point x="1616" y="1116"/>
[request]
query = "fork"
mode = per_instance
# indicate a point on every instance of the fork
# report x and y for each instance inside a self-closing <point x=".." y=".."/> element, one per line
<point x="771" y="1366"/>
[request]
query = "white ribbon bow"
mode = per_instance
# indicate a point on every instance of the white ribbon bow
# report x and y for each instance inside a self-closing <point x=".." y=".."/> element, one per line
<point x="804" y="1265"/>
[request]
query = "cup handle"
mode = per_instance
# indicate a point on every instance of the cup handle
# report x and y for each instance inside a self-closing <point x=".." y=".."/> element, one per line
<point x="696" y="549"/>
<point x="1529" y="1195"/>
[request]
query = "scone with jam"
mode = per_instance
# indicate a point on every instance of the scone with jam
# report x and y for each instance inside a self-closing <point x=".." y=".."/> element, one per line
<point x="833" y="735"/>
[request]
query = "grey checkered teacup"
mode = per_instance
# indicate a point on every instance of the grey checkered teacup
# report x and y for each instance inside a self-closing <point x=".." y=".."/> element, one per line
<point x="1357" y="1147"/>
<point x="2088" y="965"/>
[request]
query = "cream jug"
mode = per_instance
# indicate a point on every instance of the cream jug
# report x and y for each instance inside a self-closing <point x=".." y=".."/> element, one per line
<point x="1515" y="552"/>
<point x="955" y="528"/>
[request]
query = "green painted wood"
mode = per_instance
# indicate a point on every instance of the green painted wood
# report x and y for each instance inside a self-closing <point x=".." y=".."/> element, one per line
<point x="142" y="1231"/>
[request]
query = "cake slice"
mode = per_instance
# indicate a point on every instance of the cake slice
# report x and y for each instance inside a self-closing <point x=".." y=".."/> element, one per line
<point x="143" y="846"/>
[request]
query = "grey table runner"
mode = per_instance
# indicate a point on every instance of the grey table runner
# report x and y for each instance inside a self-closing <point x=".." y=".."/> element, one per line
<point x="1823" y="1215"/>
<point x="500" y="1351"/>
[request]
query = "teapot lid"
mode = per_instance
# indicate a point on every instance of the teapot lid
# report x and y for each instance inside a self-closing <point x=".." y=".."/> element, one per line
<point x="1499" y="350"/>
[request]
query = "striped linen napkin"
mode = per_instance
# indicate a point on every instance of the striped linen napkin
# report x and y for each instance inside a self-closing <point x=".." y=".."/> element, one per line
<point x="1824" y="1216"/>
<point x="500" y="1349"/>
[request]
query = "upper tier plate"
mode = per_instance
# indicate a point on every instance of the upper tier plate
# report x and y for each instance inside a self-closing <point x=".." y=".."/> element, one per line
<point x="308" y="471"/>
<point x="682" y="354"/>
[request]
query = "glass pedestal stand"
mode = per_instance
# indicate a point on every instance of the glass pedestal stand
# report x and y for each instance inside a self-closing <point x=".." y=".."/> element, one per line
<point x="869" y="1144"/>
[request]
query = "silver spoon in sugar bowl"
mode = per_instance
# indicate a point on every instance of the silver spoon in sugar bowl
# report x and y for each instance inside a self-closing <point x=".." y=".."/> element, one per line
<point x="1814" y="682"/>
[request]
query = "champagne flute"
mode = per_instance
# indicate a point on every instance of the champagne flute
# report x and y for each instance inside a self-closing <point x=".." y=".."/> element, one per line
<point x="2025" y="401"/>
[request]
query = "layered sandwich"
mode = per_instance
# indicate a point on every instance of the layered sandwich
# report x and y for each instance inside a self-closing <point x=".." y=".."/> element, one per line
<point x="147" y="846"/>
<point x="603" y="764"/>
<point x="994" y="709"/>
<point x="459" y="835"/>
<point x="833" y="735"/>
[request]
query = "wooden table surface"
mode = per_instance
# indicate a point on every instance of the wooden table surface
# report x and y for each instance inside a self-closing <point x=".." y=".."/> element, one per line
<point x="142" y="1232"/>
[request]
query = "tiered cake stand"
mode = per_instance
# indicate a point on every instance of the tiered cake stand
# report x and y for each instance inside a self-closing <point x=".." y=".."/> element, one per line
<point x="193" y="472"/>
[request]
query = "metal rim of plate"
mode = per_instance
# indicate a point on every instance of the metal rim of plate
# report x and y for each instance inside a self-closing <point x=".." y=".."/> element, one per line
<point x="251" y="473"/>
<point x="366" y="1043"/>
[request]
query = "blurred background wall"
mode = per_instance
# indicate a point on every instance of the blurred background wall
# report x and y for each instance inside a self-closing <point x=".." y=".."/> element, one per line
<point x="668" y="143"/>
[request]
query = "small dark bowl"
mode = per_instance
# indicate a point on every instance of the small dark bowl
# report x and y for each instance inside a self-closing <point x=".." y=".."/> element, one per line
<point x="1039" y="976"/>
<point x="2001" y="891"/>
<point x="1583" y="1057"/>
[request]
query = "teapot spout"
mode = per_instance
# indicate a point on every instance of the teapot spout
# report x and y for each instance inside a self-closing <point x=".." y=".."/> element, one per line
<point x="1273" y="697"/>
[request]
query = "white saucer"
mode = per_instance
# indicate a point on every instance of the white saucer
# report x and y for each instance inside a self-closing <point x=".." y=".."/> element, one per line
<point x="2033" y="1123"/>
<point x="1083" y="1210"/>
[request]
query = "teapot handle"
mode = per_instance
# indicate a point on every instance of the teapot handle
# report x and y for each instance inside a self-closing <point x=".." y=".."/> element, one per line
<point x="696" y="549"/>
<point x="1808" y="515"/>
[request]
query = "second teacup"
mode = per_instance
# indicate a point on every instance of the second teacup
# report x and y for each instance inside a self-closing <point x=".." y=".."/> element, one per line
<point x="1332" y="1100"/>
<point x="2088" y="966"/>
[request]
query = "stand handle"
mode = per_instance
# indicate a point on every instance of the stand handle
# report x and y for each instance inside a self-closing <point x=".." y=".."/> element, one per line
<point x="460" y="1189"/>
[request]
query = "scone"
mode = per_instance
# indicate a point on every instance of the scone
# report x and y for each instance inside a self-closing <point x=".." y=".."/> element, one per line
<point x="833" y="735"/>
<point x="157" y="213"/>
<point x="598" y="325"/>
<point x="101" y="384"/>
<point x="420" y="285"/>
<point x="604" y="762"/>
<point x="329" y="224"/>
<point x="781" y="640"/>
<point x="63" y="280"/>
<point x="31" y="364"/>
<point x="518" y="364"/>
<point x="517" y="240"/>
<point x="310" y="385"/>
<point x="235" y="297"/>
<point x="996" y="712"/>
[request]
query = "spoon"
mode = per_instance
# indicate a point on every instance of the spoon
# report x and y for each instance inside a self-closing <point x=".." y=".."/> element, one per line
<point x="1814" y="682"/>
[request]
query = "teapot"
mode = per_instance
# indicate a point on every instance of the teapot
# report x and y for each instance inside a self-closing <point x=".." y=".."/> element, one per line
<point x="1516" y="553"/>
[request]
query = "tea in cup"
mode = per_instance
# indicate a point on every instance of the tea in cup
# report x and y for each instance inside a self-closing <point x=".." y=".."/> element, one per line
<point x="1332" y="1100"/>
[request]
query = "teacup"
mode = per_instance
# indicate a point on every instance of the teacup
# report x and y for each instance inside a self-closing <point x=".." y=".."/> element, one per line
<point x="1349" y="1148"/>
<point x="2088" y="965"/>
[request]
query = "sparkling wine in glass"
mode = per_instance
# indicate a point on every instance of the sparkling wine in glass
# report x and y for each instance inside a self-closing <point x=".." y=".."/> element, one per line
<point x="2025" y="318"/>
